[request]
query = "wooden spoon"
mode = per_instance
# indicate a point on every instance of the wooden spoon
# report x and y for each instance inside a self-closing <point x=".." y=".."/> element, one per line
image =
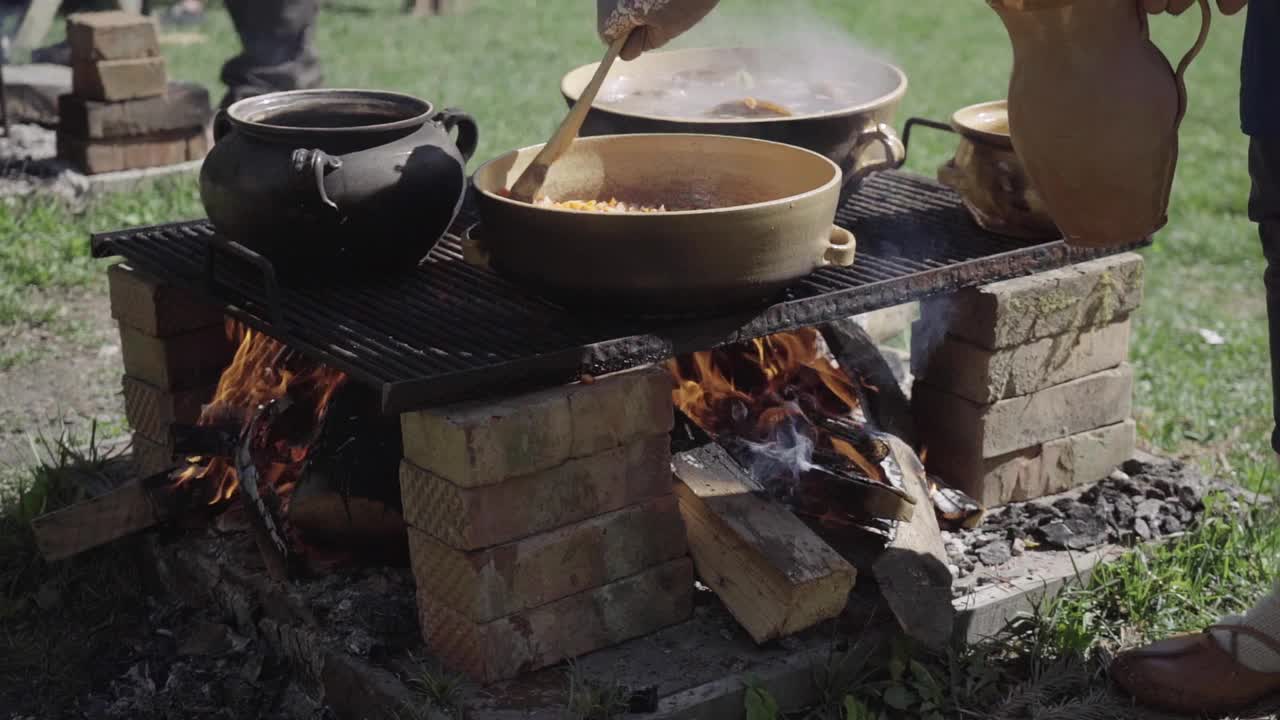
<point x="531" y="180"/>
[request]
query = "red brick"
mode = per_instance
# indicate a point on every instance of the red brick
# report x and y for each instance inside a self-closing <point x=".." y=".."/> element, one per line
<point x="484" y="443"/>
<point x="564" y="629"/>
<point x="119" y="79"/>
<point x="111" y="35"/>
<point x="92" y="157"/>
<point x="952" y="424"/>
<point x="181" y="362"/>
<point x="154" y="307"/>
<point x="481" y="517"/>
<point x="484" y="585"/>
<point x="183" y="106"/>
<point x="152" y="411"/>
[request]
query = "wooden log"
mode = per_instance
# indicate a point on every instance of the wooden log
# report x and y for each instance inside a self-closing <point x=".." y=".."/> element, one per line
<point x="771" y="571"/>
<point x="912" y="571"/>
<point x="887" y="406"/>
<point x="130" y="508"/>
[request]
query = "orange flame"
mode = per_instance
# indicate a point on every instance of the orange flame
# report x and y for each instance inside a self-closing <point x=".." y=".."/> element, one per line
<point x="747" y="390"/>
<point x="262" y="370"/>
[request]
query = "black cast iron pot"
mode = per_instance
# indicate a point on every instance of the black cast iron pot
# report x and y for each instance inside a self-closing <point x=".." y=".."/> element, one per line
<point x="325" y="181"/>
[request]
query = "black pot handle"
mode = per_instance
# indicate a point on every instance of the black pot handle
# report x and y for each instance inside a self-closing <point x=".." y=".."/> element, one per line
<point x="311" y="167"/>
<point x="221" y="125"/>
<point x="468" y="131"/>
<point x="925" y="122"/>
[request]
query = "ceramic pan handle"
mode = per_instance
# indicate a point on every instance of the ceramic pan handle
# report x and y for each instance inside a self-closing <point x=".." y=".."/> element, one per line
<point x="878" y="134"/>
<point x="1181" y="72"/>
<point x="841" y="247"/>
<point x="311" y="167"/>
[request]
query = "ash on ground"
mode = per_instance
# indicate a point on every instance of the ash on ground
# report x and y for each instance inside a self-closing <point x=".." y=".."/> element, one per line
<point x="29" y="164"/>
<point x="1147" y="499"/>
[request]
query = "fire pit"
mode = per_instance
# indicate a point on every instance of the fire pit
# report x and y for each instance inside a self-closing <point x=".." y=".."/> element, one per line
<point x="783" y="444"/>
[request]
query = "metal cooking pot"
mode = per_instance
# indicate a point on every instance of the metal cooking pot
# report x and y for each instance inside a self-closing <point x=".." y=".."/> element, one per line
<point x="337" y="180"/>
<point x="745" y="219"/>
<point x="858" y="138"/>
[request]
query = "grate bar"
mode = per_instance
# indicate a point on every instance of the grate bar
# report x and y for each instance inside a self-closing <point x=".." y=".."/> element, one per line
<point x="450" y="331"/>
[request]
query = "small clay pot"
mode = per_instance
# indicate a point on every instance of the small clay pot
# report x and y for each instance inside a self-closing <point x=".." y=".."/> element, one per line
<point x="990" y="178"/>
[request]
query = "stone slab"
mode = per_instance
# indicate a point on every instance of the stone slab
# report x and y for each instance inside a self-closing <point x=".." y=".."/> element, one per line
<point x="155" y="150"/>
<point x="1048" y="469"/>
<point x="480" y="517"/>
<point x="486" y="442"/>
<point x="487" y="584"/>
<point x="564" y="629"/>
<point x="127" y="180"/>
<point x="958" y="427"/>
<point x="111" y="35"/>
<point x="180" y="362"/>
<point x="1013" y="312"/>
<point x="183" y="106"/>
<point x="985" y="376"/>
<point x="1021" y="585"/>
<point x="119" y="79"/>
<point x="888" y="323"/>
<point x="155" y="308"/>
<point x="32" y="92"/>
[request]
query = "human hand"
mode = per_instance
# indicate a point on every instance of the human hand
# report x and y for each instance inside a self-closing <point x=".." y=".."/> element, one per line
<point x="655" y="22"/>
<point x="1177" y="7"/>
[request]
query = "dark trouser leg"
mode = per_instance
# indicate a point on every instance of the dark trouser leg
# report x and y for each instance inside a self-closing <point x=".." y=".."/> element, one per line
<point x="1264" y="209"/>
<point x="277" y="39"/>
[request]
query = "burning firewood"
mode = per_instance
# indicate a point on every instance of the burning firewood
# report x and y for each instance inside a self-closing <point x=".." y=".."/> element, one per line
<point x="268" y="532"/>
<point x="954" y="508"/>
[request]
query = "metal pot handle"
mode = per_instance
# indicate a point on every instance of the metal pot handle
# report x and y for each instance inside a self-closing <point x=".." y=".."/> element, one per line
<point x="842" y="246"/>
<point x="311" y="167"/>
<point x="878" y="134"/>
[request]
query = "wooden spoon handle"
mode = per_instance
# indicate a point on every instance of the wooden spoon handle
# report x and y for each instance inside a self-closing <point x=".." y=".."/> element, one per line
<point x="530" y="181"/>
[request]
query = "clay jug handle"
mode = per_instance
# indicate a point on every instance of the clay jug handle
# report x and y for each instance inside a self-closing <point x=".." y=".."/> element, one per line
<point x="1179" y="75"/>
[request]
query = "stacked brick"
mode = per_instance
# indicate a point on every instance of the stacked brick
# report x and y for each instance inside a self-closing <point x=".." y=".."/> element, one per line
<point x="174" y="349"/>
<point x="122" y="112"/>
<point x="1021" y="387"/>
<point x="545" y="527"/>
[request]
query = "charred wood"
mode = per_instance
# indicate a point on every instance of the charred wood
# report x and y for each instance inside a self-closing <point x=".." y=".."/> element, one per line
<point x="268" y="531"/>
<point x="887" y="406"/>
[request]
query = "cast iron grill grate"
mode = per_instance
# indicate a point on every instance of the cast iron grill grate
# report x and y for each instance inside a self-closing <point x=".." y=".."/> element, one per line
<point x="450" y="331"/>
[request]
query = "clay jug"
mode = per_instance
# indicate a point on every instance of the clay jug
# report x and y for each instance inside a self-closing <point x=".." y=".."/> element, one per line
<point x="1094" y="110"/>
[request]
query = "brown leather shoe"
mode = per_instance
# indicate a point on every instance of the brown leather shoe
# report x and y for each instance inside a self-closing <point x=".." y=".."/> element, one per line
<point x="1193" y="674"/>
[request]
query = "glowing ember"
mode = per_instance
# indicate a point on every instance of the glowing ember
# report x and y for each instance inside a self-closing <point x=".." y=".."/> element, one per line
<point x="264" y="369"/>
<point x="788" y="408"/>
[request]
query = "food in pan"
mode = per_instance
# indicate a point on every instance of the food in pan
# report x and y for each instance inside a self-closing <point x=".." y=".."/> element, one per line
<point x="601" y="206"/>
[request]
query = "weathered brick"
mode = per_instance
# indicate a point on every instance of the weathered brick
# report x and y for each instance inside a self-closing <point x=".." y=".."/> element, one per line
<point x="487" y="442"/>
<point x="1017" y="311"/>
<point x="183" y="106"/>
<point x="480" y="517"/>
<point x="152" y="411"/>
<point x="488" y="584"/>
<point x="92" y="157"/>
<point x="156" y="308"/>
<point x="111" y="35"/>
<point x="1054" y="467"/>
<point x="951" y="424"/>
<point x="150" y="457"/>
<point x="560" y="630"/>
<point x="985" y="376"/>
<point x="119" y="79"/>
<point x="180" y="362"/>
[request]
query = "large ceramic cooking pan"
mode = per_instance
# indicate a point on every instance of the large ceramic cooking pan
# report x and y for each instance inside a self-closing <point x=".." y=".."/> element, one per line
<point x="744" y="219"/>
<point x="853" y="129"/>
